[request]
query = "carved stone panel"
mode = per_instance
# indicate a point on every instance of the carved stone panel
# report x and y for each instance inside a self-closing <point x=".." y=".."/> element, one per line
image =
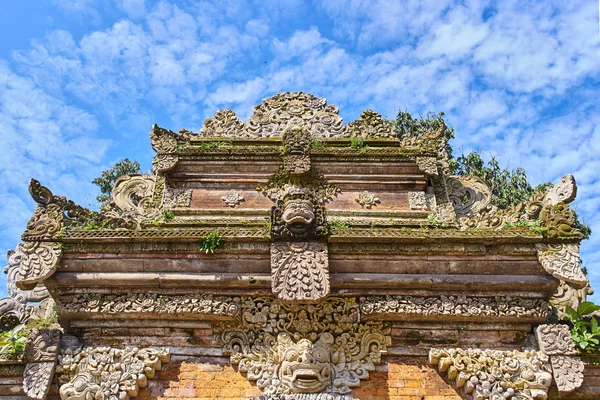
<point x="310" y="348"/>
<point x="562" y="261"/>
<point x="38" y="261"/>
<point x="107" y="373"/>
<point x="555" y="339"/>
<point x="567" y="372"/>
<point x="300" y="270"/>
<point x="41" y="354"/>
<point x="496" y="374"/>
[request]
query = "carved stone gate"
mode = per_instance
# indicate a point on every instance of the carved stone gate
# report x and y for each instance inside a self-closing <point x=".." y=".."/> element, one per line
<point x="295" y="257"/>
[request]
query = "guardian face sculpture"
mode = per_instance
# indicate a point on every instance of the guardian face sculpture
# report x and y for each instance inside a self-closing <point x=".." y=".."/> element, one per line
<point x="305" y="366"/>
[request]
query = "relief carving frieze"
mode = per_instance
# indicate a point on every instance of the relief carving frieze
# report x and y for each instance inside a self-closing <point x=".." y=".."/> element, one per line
<point x="106" y="373"/>
<point x="149" y="303"/>
<point x="382" y="307"/>
<point x="289" y="348"/>
<point x="300" y="270"/>
<point x="496" y="374"/>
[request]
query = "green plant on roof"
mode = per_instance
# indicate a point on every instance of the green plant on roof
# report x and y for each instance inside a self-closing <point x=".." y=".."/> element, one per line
<point x="212" y="242"/>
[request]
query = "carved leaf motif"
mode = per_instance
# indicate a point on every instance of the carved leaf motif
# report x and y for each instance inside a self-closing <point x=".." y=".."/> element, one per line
<point x="41" y="354"/>
<point x="37" y="378"/>
<point x="163" y="140"/>
<point x="38" y="261"/>
<point x="179" y="197"/>
<point x="163" y="163"/>
<point x="428" y="165"/>
<point x="567" y="372"/>
<point x="562" y="261"/>
<point x="132" y="194"/>
<point x="300" y="270"/>
<point x="563" y="192"/>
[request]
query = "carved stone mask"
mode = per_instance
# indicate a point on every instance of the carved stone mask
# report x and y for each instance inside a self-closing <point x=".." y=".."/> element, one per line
<point x="305" y="366"/>
<point x="298" y="215"/>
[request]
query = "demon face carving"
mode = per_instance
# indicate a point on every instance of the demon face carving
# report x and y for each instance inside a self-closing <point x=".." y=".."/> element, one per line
<point x="305" y="366"/>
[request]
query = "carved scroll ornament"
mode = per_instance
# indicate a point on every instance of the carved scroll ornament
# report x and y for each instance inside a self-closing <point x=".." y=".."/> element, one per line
<point x="495" y="374"/>
<point x="292" y="348"/>
<point x="107" y="373"/>
<point x="38" y="261"/>
<point x="562" y="261"/>
<point x="300" y="270"/>
<point x="469" y="195"/>
<point x="132" y="194"/>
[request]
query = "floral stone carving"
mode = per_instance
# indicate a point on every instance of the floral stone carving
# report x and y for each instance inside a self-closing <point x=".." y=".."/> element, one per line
<point x="303" y="396"/>
<point x="567" y="372"/>
<point x="562" y="261"/>
<point x="371" y="125"/>
<point x="428" y="165"/>
<point x="421" y="201"/>
<point x="179" y="197"/>
<point x="311" y="348"/>
<point x="163" y="140"/>
<point x="107" y="373"/>
<point x="38" y="261"/>
<point x="568" y="295"/>
<point x="41" y="354"/>
<point x="555" y="339"/>
<point x="232" y="199"/>
<point x="300" y="270"/>
<point x="132" y="194"/>
<point x="496" y="374"/>
<point x="224" y="124"/>
<point x="367" y="200"/>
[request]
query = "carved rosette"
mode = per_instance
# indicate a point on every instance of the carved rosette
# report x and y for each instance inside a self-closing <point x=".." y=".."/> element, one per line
<point x="367" y="199"/>
<point x="300" y="348"/>
<point x="300" y="271"/>
<point x="232" y="199"/>
<point x="38" y="261"/>
<point x="562" y="261"/>
<point x="496" y="374"/>
<point x="41" y="354"/>
<point x="106" y="372"/>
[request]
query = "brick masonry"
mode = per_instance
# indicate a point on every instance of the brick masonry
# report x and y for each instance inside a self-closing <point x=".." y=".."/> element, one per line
<point x="406" y="378"/>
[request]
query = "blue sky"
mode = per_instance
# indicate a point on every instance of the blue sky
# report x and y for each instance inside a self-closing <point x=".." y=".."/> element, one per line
<point x="82" y="81"/>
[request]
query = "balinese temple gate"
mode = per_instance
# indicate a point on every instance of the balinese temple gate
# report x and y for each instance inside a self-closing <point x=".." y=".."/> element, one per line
<point x="295" y="257"/>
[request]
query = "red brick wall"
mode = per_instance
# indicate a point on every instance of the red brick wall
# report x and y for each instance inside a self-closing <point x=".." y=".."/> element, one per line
<point x="408" y="378"/>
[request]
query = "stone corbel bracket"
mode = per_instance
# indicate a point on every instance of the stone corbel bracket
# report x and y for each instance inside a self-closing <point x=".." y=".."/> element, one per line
<point x="41" y="355"/>
<point x="106" y="372"/>
<point x="496" y="374"/>
<point x="567" y="367"/>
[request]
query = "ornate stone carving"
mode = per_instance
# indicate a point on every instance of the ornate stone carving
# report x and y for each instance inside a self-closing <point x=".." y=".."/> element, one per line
<point x="107" y="373"/>
<point x="224" y="124"/>
<point x="367" y="200"/>
<point x="38" y="261"/>
<point x="555" y="339"/>
<point x="567" y="372"/>
<point x="495" y="374"/>
<point x="300" y="271"/>
<point x="563" y="192"/>
<point x="541" y="208"/>
<point x="568" y="295"/>
<point x="370" y="125"/>
<point x="179" y="197"/>
<point x="562" y="261"/>
<point x="296" y="150"/>
<point x="163" y="140"/>
<point x="292" y="348"/>
<point x="428" y="165"/>
<point x="468" y="194"/>
<point x="444" y="213"/>
<point x="162" y="163"/>
<point x="421" y="201"/>
<point x="290" y="109"/>
<point x="232" y="199"/>
<point x="457" y="306"/>
<point x="149" y="303"/>
<point x="15" y="304"/>
<point x="132" y="194"/>
<point x="41" y="354"/>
